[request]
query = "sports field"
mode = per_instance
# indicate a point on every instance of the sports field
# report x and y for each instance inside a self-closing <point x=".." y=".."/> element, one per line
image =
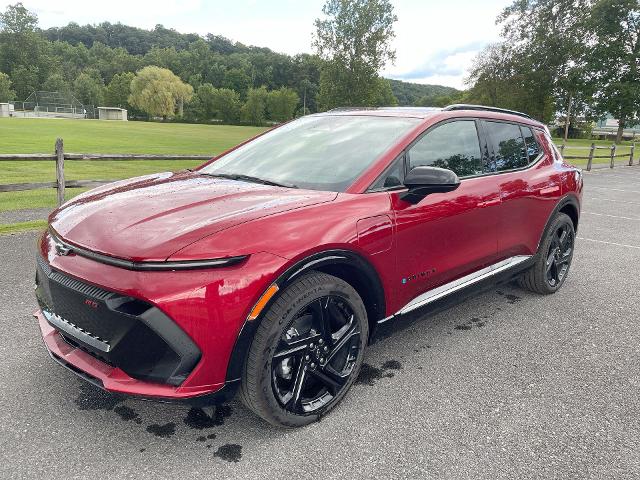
<point x="19" y="135"/>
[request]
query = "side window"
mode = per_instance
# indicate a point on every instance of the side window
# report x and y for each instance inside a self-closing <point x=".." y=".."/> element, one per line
<point x="533" y="148"/>
<point x="392" y="177"/>
<point x="453" y="145"/>
<point x="509" y="150"/>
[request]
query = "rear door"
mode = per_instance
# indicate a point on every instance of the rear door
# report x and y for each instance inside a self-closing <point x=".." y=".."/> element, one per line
<point x="446" y="235"/>
<point x="529" y="187"/>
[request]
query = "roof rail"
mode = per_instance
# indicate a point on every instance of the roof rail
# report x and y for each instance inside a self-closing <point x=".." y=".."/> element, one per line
<point x="351" y="109"/>
<point x="461" y="106"/>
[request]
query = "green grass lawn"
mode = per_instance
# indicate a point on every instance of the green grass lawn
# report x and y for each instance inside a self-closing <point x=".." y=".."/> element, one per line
<point x="38" y="135"/>
<point x="32" y="135"/>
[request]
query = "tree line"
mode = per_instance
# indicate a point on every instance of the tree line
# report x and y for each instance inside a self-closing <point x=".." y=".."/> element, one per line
<point x="228" y="81"/>
<point x="572" y="59"/>
<point x="576" y="59"/>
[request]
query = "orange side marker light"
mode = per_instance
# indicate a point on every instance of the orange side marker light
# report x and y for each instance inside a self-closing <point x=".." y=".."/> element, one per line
<point x="264" y="299"/>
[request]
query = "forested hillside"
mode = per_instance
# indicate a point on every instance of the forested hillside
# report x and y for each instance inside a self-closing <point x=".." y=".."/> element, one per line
<point x="96" y="63"/>
<point x="422" y="94"/>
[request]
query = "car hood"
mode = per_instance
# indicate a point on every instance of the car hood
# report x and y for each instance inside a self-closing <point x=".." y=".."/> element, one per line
<point x="151" y="217"/>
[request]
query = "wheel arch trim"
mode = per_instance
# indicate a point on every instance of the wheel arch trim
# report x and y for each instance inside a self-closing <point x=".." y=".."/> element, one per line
<point x="569" y="199"/>
<point x="326" y="259"/>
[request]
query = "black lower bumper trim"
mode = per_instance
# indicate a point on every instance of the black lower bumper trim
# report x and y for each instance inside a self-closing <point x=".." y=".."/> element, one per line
<point x="220" y="396"/>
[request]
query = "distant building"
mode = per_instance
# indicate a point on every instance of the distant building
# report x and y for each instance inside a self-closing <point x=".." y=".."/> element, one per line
<point x="6" y="110"/>
<point x="608" y="126"/>
<point x="112" y="113"/>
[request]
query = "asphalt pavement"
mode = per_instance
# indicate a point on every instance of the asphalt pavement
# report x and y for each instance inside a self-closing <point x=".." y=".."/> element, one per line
<point x="508" y="385"/>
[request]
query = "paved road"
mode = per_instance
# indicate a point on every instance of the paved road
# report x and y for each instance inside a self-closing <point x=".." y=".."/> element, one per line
<point x="507" y="385"/>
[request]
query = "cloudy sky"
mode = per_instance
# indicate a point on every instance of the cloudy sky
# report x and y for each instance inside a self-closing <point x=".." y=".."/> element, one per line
<point x="435" y="39"/>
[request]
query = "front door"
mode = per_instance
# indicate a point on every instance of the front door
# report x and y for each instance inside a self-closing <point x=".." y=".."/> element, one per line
<point x="446" y="235"/>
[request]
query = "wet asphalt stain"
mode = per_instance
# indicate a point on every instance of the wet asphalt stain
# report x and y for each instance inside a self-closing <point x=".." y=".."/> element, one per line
<point x="163" y="431"/>
<point x="230" y="452"/>
<point x="198" y="419"/>
<point x="369" y="374"/>
<point x="127" y="414"/>
<point x="464" y="326"/>
<point x="392" y="365"/>
<point x="202" y="438"/>
<point x="510" y="297"/>
<point x="473" y="322"/>
<point x="92" y="398"/>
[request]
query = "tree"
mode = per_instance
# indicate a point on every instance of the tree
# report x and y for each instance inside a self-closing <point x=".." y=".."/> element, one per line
<point x="6" y="93"/>
<point x="354" y="43"/>
<point x="89" y="88"/>
<point x="613" y="60"/>
<point x="226" y="104"/>
<point x="25" y="80"/>
<point x="533" y="70"/>
<point x="118" y="90"/>
<point x="253" y="110"/>
<point x="204" y="102"/>
<point x="281" y="104"/>
<point x="159" y="92"/>
<point x="384" y="96"/>
<point x="20" y="44"/>
<point x="56" y="83"/>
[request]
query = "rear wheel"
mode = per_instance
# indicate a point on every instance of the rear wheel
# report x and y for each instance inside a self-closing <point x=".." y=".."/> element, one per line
<point x="554" y="258"/>
<point x="307" y="351"/>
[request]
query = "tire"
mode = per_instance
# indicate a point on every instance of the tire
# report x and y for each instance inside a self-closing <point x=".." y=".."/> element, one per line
<point x="313" y="316"/>
<point x="550" y="271"/>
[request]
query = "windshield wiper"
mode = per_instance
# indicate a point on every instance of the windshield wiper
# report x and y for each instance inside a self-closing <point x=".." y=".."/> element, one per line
<point x="249" y="178"/>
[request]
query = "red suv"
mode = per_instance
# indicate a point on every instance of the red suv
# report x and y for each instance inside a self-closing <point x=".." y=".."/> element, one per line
<point x="270" y="268"/>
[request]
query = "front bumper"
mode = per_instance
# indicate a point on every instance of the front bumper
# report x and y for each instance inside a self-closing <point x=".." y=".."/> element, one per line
<point x="115" y="380"/>
<point x="208" y="306"/>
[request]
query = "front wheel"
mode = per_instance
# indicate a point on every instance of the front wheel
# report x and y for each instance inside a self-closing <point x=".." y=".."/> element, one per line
<point x="554" y="258"/>
<point x="307" y="351"/>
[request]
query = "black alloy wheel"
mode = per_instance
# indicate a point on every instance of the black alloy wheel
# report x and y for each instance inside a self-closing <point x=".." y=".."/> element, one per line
<point x="559" y="255"/>
<point x="306" y="352"/>
<point x="553" y="259"/>
<point x="316" y="355"/>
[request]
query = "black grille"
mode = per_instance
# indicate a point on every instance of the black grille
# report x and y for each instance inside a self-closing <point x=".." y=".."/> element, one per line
<point x="142" y="341"/>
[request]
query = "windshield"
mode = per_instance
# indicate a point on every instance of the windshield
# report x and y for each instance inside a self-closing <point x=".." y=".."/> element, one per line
<point x="314" y="152"/>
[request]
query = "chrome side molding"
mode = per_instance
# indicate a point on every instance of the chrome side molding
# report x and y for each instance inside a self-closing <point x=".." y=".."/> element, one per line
<point x="459" y="284"/>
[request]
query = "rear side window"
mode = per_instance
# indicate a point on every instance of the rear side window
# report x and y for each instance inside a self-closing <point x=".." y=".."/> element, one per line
<point x="533" y="147"/>
<point x="509" y="151"/>
<point x="453" y="145"/>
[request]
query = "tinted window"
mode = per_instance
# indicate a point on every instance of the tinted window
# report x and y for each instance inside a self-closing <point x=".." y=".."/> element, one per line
<point x="453" y="145"/>
<point x="533" y="148"/>
<point x="509" y="150"/>
<point x="324" y="152"/>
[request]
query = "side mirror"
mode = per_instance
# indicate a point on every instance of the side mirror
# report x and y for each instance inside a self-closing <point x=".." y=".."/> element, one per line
<point x="422" y="181"/>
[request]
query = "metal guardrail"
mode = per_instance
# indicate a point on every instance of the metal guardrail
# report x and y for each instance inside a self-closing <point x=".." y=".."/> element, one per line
<point x="60" y="156"/>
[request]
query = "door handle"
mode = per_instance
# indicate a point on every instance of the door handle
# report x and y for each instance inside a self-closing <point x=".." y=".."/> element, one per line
<point x="488" y="203"/>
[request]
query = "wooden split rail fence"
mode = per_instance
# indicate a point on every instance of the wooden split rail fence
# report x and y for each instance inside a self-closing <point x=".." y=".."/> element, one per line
<point x="60" y="156"/>
<point x="593" y="150"/>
